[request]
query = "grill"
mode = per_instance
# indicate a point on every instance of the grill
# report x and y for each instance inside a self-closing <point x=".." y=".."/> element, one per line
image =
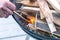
<point x="37" y="28"/>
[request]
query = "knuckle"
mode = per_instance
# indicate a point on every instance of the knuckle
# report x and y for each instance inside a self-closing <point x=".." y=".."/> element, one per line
<point x="13" y="7"/>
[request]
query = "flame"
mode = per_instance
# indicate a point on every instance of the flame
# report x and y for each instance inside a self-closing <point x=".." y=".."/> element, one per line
<point x="32" y="19"/>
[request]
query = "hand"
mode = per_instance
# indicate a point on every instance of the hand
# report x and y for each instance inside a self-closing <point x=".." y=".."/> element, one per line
<point x="6" y="8"/>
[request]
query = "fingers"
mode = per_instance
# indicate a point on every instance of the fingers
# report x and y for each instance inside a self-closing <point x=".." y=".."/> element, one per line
<point x="2" y="14"/>
<point x="11" y="6"/>
<point x="7" y="10"/>
<point x="7" y="14"/>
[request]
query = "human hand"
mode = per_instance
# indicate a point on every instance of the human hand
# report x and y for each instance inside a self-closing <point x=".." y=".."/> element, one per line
<point x="6" y="8"/>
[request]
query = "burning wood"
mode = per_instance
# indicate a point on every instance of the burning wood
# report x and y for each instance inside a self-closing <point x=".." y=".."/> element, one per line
<point x="33" y="9"/>
<point x="42" y="7"/>
<point x="28" y="3"/>
<point x="29" y="19"/>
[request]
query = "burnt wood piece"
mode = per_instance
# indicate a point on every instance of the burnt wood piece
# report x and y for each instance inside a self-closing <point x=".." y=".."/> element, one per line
<point x="42" y="26"/>
<point x="33" y="10"/>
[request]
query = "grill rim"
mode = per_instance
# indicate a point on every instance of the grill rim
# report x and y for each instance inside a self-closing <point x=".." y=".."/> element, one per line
<point x="40" y="37"/>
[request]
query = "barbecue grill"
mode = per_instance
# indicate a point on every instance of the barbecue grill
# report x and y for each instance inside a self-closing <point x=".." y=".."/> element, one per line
<point x="39" y="29"/>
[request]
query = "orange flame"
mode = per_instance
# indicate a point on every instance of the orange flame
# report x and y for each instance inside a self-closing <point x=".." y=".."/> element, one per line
<point x="32" y="19"/>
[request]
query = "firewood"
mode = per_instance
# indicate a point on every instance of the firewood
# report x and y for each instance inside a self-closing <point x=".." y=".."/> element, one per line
<point x="47" y="13"/>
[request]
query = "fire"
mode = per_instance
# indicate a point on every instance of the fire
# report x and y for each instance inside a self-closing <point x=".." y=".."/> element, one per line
<point x="32" y="19"/>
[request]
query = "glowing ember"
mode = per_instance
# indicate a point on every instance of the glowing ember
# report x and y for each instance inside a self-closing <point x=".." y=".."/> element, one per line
<point x="32" y="19"/>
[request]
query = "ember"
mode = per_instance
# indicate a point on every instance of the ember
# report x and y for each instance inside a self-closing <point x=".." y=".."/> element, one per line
<point x="32" y="19"/>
